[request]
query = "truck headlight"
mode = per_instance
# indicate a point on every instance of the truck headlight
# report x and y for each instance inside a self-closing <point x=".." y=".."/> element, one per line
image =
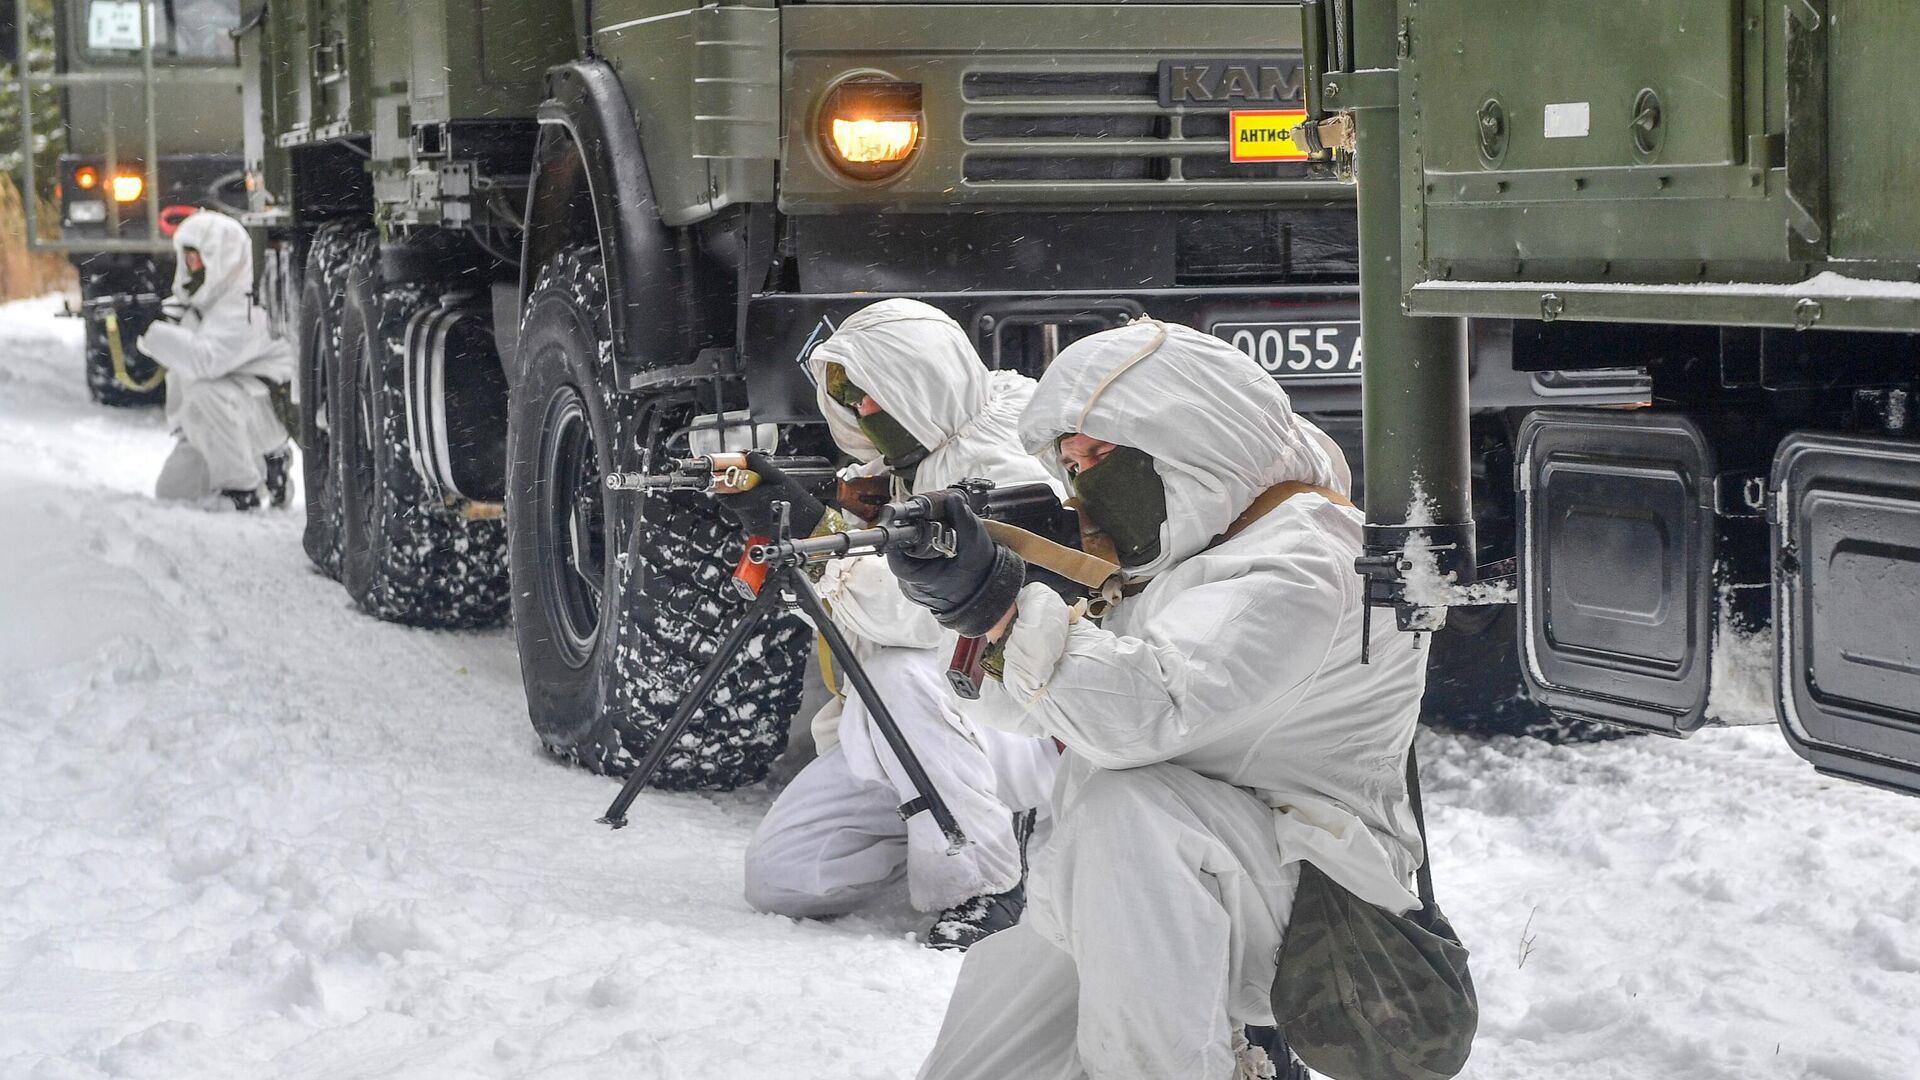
<point x="870" y="126"/>
<point x="86" y="211"/>
<point x="128" y="186"/>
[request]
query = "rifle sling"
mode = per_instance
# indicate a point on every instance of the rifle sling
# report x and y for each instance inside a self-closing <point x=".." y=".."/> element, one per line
<point x="1266" y="501"/>
<point x="1076" y="566"/>
<point x="1424" y="874"/>
<point x="1095" y="573"/>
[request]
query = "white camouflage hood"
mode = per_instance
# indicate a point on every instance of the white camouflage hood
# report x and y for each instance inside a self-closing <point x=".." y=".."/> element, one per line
<point x="919" y="366"/>
<point x="225" y="250"/>
<point x="1220" y="430"/>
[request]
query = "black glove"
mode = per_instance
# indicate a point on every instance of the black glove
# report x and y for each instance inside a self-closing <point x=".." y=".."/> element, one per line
<point x="970" y="591"/>
<point x="752" y="510"/>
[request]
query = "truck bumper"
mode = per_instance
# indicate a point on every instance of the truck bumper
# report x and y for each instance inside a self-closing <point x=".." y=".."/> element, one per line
<point x="1021" y="330"/>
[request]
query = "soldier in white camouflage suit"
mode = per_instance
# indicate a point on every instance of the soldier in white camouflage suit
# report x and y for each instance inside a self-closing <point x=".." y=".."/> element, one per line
<point x="222" y="361"/>
<point x="904" y="392"/>
<point x="1219" y="725"/>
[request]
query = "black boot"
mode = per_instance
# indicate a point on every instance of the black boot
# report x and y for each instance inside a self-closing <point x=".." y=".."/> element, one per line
<point x="964" y="924"/>
<point x="242" y="498"/>
<point x="279" y="474"/>
<point x="961" y="926"/>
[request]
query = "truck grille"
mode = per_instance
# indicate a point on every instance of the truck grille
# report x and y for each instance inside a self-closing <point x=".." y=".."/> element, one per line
<point x="1089" y="127"/>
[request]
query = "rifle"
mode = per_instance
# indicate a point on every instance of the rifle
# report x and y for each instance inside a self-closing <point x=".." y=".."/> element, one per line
<point x="727" y="474"/>
<point x="909" y="526"/>
<point x="770" y="587"/>
<point x="721" y="474"/>
<point x="1028" y="518"/>
<point x="115" y="301"/>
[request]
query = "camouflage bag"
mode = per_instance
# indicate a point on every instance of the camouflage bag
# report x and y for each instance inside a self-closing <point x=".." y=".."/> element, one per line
<point x="1364" y="994"/>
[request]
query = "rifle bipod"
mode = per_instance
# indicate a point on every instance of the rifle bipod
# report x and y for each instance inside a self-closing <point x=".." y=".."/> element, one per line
<point x="785" y="585"/>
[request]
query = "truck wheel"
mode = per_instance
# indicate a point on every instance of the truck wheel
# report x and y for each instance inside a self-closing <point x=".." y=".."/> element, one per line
<point x="407" y="555"/>
<point x="322" y="289"/>
<point x="102" y="385"/>
<point x="1474" y="683"/>
<point x="616" y="613"/>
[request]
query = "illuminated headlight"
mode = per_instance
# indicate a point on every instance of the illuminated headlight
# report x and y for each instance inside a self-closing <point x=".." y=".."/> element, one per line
<point x="870" y="126"/>
<point x="86" y="211"/>
<point x="128" y="186"/>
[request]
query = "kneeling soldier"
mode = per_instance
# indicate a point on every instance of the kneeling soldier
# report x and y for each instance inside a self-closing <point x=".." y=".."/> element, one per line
<point x="1219" y="726"/>
<point x="904" y="392"/>
<point x="222" y="363"/>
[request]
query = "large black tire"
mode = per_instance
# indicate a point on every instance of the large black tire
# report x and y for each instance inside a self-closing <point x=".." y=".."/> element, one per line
<point x="615" y="613"/>
<point x="322" y="303"/>
<point x="406" y="554"/>
<point x="102" y="385"/>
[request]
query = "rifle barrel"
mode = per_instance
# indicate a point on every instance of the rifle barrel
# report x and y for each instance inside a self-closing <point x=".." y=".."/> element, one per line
<point x="634" y="481"/>
<point x="834" y="545"/>
<point x="116" y="299"/>
<point x="698" y="477"/>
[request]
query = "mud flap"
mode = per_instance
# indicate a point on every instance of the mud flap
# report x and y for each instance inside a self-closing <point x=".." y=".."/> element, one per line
<point x="1616" y="566"/>
<point x="1846" y="585"/>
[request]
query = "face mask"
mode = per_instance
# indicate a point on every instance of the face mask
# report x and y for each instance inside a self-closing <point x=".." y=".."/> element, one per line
<point x="896" y="444"/>
<point x="1126" y="499"/>
<point x="196" y="278"/>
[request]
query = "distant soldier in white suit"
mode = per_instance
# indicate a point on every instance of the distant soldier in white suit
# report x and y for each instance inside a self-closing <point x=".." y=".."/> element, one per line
<point x="222" y="361"/>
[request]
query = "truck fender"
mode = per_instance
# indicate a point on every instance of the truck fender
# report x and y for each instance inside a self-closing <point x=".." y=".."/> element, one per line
<point x="590" y="184"/>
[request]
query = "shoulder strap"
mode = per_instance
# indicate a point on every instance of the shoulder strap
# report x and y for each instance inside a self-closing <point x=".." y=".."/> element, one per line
<point x="1077" y="566"/>
<point x="1425" y="873"/>
<point x="1094" y="572"/>
<point x="1266" y="501"/>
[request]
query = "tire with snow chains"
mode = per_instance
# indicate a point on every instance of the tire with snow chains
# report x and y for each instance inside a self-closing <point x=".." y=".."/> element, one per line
<point x="616" y="613"/>
<point x="407" y="555"/>
<point x="322" y="303"/>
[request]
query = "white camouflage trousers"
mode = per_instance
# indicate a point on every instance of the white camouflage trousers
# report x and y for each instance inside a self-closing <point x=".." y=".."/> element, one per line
<point x="833" y="840"/>
<point x="1154" y="920"/>
<point x="226" y="428"/>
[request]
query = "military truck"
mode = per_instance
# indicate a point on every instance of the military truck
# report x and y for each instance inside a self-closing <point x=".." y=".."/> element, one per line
<point x="525" y="245"/>
<point x="1718" y="191"/>
<point x="150" y="103"/>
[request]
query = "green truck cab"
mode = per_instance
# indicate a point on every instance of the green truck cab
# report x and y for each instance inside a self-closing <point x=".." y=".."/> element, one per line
<point x="1719" y="191"/>
<point x="180" y="104"/>
<point x="525" y="245"/>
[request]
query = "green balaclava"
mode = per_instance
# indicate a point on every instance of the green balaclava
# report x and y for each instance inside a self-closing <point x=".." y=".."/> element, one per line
<point x="896" y="444"/>
<point x="1125" y="497"/>
<point x="196" y="278"/>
